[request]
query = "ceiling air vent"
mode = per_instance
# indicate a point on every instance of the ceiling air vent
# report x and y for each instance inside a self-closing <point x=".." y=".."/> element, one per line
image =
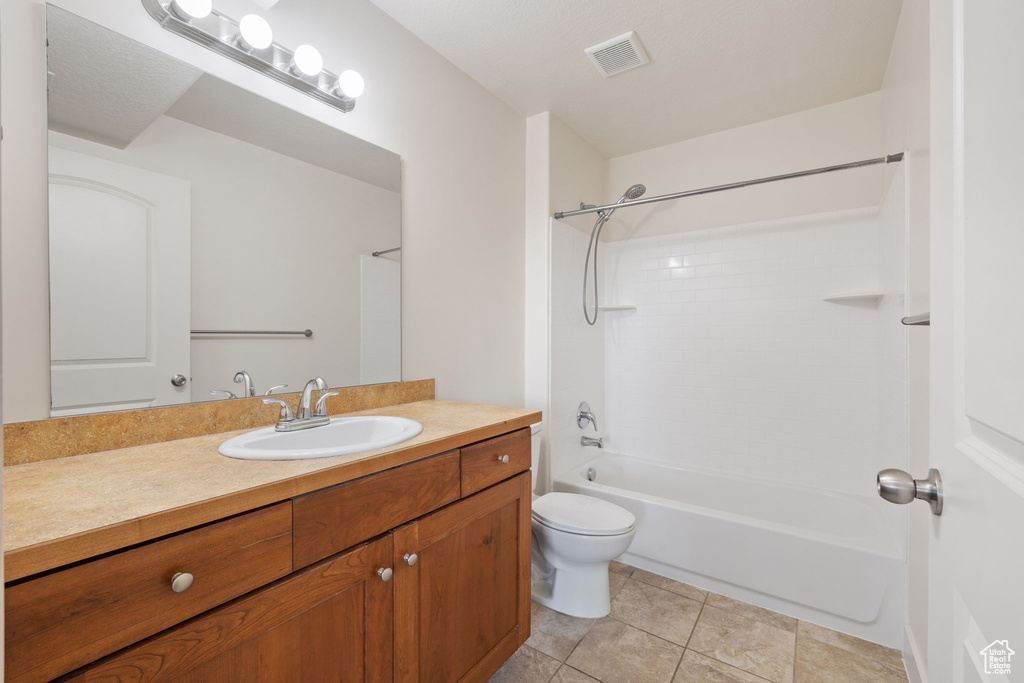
<point x="618" y="54"/>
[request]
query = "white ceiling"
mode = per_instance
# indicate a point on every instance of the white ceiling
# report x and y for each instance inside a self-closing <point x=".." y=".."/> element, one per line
<point x="105" y="87"/>
<point x="715" y="64"/>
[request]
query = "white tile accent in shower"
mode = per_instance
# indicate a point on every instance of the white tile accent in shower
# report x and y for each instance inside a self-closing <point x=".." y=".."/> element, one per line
<point x="577" y="353"/>
<point x="734" y="362"/>
<point x="380" y="320"/>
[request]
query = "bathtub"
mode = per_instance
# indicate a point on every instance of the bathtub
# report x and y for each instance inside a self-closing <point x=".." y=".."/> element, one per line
<point x="829" y="558"/>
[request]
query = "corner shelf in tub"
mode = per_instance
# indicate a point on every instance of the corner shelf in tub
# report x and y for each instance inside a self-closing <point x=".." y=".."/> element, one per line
<point x="616" y="308"/>
<point x="867" y="297"/>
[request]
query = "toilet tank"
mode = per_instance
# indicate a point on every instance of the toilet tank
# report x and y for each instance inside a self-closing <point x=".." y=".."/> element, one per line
<point x="535" y="450"/>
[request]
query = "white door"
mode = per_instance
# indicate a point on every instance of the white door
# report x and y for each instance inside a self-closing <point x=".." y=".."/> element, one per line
<point x="119" y="286"/>
<point x="976" y="548"/>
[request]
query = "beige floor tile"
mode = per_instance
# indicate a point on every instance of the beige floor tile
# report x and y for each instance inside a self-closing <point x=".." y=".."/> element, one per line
<point x="567" y="674"/>
<point x="754" y="612"/>
<point x="696" y="668"/>
<point x="818" y="662"/>
<point x="656" y="611"/>
<point x="616" y="582"/>
<point x="556" y="634"/>
<point x="526" y="665"/>
<point x="893" y="658"/>
<point x="668" y="584"/>
<point x="614" y="652"/>
<point x="750" y="645"/>
<point x="620" y="568"/>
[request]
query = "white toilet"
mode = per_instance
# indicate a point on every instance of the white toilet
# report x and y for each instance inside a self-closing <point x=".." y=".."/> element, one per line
<point x="575" y="537"/>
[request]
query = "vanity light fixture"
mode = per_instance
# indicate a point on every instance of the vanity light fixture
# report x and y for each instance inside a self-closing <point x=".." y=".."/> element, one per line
<point x="187" y="10"/>
<point x="306" y="61"/>
<point x="254" y="33"/>
<point x="250" y="42"/>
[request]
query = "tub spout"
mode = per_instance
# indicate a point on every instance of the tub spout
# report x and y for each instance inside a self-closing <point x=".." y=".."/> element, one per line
<point x="591" y="441"/>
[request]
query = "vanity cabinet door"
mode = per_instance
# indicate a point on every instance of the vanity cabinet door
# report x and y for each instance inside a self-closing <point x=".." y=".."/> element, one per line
<point x="330" y="622"/>
<point x="462" y="605"/>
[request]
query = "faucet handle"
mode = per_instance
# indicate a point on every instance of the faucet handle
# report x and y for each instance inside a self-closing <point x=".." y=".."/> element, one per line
<point x="275" y="388"/>
<point x="321" y="404"/>
<point x="221" y="392"/>
<point x="286" y="410"/>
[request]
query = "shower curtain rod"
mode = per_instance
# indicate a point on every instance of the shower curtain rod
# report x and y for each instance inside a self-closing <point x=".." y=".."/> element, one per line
<point x="887" y="159"/>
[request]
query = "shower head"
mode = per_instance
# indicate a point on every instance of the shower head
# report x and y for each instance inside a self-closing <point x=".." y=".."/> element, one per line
<point x="634" y="192"/>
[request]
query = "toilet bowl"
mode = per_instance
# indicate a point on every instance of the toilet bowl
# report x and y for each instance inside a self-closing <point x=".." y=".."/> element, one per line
<point x="575" y="537"/>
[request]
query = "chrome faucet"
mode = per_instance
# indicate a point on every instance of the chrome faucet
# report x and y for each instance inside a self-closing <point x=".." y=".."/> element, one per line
<point x="584" y="415"/>
<point x="242" y="377"/>
<point x="591" y="441"/>
<point x="305" y="418"/>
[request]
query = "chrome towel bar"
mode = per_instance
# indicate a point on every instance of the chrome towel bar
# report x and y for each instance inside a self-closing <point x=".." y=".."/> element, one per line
<point x="304" y="333"/>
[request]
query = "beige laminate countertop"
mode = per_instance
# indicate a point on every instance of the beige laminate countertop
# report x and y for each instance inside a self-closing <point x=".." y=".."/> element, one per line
<point x="62" y="511"/>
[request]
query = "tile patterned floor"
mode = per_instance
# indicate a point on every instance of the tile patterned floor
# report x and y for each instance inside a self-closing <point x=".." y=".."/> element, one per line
<point x="664" y="631"/>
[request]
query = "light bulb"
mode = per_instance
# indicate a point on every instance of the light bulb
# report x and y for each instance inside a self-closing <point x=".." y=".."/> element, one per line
<point x="350" y="84"/>
<point x="307" y="61"/>
<point x="187" y="10"/>
<point x="255" y="32"/>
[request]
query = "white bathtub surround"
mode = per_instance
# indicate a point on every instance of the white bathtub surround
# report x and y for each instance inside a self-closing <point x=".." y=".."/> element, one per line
<point x="380" y="319"/>
<point x="734" y="362"/>
<point x="577" y="352"/>
<point x="824" y="557"/>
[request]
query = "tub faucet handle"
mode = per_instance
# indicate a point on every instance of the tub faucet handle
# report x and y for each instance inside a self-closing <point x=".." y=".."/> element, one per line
<point x="584" y="415"/>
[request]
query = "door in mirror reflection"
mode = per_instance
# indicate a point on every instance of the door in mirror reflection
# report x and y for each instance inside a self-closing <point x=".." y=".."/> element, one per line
<point x="119" y="285"/>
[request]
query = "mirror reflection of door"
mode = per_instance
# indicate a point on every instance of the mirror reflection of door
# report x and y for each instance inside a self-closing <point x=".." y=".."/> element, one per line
<point x="119" y="286"/>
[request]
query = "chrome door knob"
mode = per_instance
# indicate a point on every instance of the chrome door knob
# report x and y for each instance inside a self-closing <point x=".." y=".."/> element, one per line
<point x="181" y="582"/>
<point x="897" y="486"/>
<point x="503" y="459"/>
<point x="385" y="573"/>
<point x="179" y="380"/>
<point x="411" y="559"/>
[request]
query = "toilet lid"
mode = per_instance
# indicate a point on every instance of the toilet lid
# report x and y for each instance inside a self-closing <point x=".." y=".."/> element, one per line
<point x="580" y="514"/>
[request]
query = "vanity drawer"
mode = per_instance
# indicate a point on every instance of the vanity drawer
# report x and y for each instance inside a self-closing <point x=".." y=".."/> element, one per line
<point x="70" y="617"/>
<point x="334" y="519"/>
<point x="494" y="460"/>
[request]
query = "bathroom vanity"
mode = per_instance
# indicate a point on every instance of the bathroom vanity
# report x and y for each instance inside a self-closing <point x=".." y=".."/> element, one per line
<point x="417" y="571"/>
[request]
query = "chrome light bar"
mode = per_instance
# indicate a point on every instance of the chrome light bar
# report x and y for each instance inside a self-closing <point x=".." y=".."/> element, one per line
<point x="301" y="68"/>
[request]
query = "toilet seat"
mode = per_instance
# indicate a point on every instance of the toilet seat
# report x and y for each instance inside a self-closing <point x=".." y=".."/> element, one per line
<point x="582" y="515"/>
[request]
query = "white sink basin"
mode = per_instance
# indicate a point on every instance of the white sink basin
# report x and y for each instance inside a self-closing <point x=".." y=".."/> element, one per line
<point x="343" y="436"/>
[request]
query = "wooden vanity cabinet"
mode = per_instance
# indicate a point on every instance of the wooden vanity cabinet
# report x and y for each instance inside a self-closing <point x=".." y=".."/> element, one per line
<point x="462" y="586"/>
<point x="416" y="573"/>
<point x="332" y="621"/>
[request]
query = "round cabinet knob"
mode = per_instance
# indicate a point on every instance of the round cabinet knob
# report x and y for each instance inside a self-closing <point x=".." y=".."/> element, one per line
<point x="179" y="380"/>
<point x="503" y="459"/>
<point x="385" y="573"/>
<point x="411" y="559"/>
<point x="181" y="582"/>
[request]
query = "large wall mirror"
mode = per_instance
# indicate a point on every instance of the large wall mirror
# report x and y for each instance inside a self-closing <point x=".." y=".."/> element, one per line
<point x="205" y="242"/>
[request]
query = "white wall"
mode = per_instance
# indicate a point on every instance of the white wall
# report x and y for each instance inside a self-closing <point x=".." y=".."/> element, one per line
<point x="463" y="167"/>
<point x="834" y="134"/>
<point x="260" y="263"/>
<point x="906" y="126"/>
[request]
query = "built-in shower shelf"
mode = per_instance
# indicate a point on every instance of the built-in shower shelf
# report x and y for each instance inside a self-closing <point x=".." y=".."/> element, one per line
<point x="855" y="296"/>
<point x="616" y="308"/>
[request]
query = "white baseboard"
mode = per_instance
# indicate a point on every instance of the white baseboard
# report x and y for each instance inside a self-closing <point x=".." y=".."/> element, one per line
<point x="912" y="658"/>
